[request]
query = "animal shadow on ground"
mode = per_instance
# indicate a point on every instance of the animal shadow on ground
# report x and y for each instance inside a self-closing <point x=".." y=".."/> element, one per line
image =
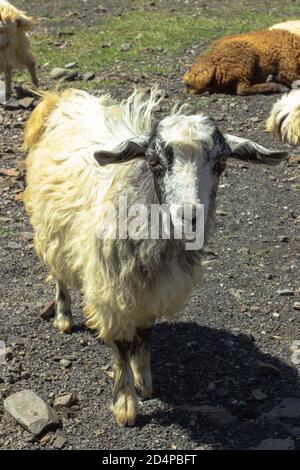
<point x="196" y="366"/>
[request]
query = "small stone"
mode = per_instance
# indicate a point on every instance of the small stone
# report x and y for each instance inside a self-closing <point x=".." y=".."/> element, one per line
<point x="71" y="76"/>
<point x="29" y="410"/>
<point x="60" y="439"/>
<point x="88" y="76"/>
<point x="285" y="292"/>
<point x="48" y="310"/>
<point x="13" y="245"/>
<point x="245" y="339"/>
<point x="287" y="408"/>
<point x="270" y="78"/>
<point x="295" y="347"/>
<point x="26" y="103"/>
<point x="58" y="73"/>
<point x="2" y="92"/>
<point x="65" y="363"/>
<point x="12" y="104"/>
<point x="258" y="395"/>
<point x="296" y="305"/>
<point x="284" y="239"/>
<point x="8" y="354"/>
<point x="296" y="358"/>
<point x="264" y="368"/>
<point x="70" y="65"/>
<point x="276" y="444"/>
<point x="296" y="84"/>
<point x="254" y="119"/>
<point x="276" y="315"/>
<point x="64" y="401"/>
<point x="45" y="439"/>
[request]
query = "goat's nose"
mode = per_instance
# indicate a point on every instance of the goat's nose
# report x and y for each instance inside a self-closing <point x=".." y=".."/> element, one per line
<point x="189" y="214"/>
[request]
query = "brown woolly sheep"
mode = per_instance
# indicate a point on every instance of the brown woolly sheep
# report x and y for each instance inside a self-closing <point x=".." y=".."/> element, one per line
<point x="241" y="64"/>
<point x="284" y="118"/>
<point x="14" y="45"/>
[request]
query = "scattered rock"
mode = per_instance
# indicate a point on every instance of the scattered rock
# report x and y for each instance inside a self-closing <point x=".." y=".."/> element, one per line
<point x="276" y="444"/>
<point x="12" y="104"/>
<point x="2" y="92"/>
<point x="219" y="416"/>
<point x="296" y="84"/>
<point x="287" y="408"/>
<point x="245" y="339"/>
<point x="26" y="103"/>
<point x="295" y="348"/>
<point x="29" y="410"/>
<point x="64" y="401"/>
<point x="58" y="73"/>
<point x="285" y="292"/>
<point x="60" y="439"/>
<point x="254" y="119"/>
<point x="65" y="363"/>
<point x="276" y="315"/>
<point x="296" y="305"/>
<point x="70" y="65"/>
<point x="264" y="368"/>
<point x="48" y="310"/>
<point x="13" y="245"/>
<point x="70" y="76"/>
<point x="258" y="395"/>
<point x="88" y="76"/>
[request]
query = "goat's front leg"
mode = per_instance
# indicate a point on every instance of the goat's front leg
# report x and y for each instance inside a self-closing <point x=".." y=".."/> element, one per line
<point x="30" y="64"/>
<point x="8" y="82"/>
<point x="140" y="363"/>
<point x="124" y="395"/>
<point x="63" y="317"/>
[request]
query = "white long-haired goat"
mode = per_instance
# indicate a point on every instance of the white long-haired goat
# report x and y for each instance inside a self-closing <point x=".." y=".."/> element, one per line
<point x="86" y="152"/>
<point x="14" y="44"/>
<point x="284" y="119"/>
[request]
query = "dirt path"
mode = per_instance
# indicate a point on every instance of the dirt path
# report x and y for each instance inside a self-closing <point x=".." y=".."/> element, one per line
<point x="234" y="322"/>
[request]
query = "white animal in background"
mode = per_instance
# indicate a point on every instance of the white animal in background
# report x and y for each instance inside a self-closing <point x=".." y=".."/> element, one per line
<point x="284" y="119"/>
<point x="293" y="26"/>
<point x="85" y="152"/>
<point x="14" y="44"/>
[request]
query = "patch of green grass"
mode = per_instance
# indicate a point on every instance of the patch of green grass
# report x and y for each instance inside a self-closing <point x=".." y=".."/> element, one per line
<point x="139" y="42"/>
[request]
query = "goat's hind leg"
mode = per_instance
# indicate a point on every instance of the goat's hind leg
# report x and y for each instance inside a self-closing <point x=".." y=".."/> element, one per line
<point x="63" y="317"/>
<point x="140" y="363"/>
<point x="124" y="395"/>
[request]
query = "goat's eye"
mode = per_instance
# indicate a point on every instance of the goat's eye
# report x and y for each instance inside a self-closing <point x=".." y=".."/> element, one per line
<point x="154" y="165"/>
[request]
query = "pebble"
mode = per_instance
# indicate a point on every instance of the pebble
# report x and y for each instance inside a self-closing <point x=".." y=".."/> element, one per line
<point x="258" y="395"/>
<point x="276" y="315"/>
<point x="70" y="65"/>
<point x="88" y="76"/>
<point x="296" y="305"/>
<point x="276" y="444"/>
<point x="58" y="73"/>
<point x="264" y="368"/>
<point x="48" y="310"/>
<point x="285" y="292"/>
<point x="31" y="412"/>
<point x="64" y="401"/>
<point x="65" y="363"/>
<point x="12" y="104"/>
<point x="13" y="245"/>
<point x="60" y="440"/>
<point x="2" y="92"/>
<point x="26" y="103"/>
<point x="296" y="84"/>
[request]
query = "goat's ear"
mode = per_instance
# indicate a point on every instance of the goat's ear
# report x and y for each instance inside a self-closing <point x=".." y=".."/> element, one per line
<point x="26" y="23"/>
<point x="247" y="150"/>
<point x="126" y="151"/>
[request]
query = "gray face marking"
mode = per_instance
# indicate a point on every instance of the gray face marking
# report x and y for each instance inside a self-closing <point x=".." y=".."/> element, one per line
<point x="188" y="174"/>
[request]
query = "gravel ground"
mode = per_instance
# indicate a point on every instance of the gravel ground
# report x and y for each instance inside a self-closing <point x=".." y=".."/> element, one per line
<point x="234" y="335"/>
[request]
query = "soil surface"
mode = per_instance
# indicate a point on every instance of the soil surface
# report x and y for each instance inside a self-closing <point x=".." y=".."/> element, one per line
<point x="235" y="321"/>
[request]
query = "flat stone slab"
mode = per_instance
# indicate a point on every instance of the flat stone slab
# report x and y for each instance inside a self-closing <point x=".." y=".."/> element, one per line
<point x="276" y="444"/>
<point x="31" y="412"/>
